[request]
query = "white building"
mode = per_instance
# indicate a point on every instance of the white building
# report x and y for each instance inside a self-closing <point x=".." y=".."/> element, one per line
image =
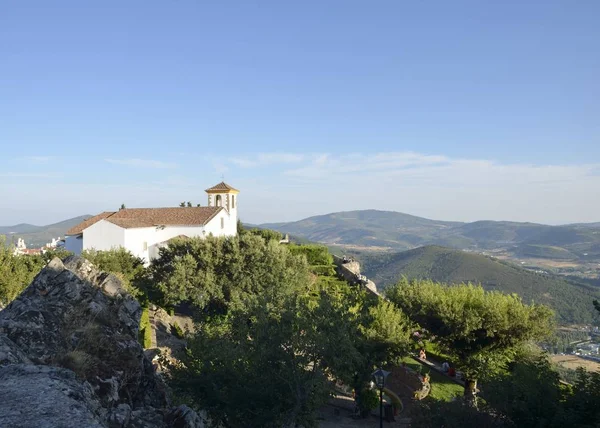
<point x="143" y="231"/>
<point x="20" y="247"/>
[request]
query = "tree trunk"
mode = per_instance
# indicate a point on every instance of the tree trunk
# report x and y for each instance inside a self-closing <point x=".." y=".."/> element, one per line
<point x="471" y="391"/>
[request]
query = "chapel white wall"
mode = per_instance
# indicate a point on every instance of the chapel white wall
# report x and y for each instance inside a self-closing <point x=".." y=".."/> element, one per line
<point x="103" y="236"/>
<point x="214" y="226"/>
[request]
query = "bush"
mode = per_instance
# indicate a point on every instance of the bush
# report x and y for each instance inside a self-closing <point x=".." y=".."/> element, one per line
<point x="177" y="331"/>
<point x="368" y="399"/>
<point x="16" y="272"/>
<point x="145" y="334"/>
<point x="267" y="234"/>
<point x="216" y="273"/>
<point x="316" y="255"/>
<point x="323" y="270"/>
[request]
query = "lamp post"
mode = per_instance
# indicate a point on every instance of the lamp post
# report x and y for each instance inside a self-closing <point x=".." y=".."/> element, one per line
<point x="379" y="377"/>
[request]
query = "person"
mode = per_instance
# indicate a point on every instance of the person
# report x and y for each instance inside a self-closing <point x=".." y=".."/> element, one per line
<point x="422" y="354"/>
<point x="452" y="371"/>
<point x="445" y="367"/>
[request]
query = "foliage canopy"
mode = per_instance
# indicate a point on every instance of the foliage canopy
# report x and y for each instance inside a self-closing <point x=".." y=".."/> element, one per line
<point x="479" y="329"/>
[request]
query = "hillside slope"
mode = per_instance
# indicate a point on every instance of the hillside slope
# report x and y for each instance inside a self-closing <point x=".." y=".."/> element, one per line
<point x="36" y="236"/>
<point x="398" y="231"/>
<point x="572" y="301"/>
<point x="365" y="228"/>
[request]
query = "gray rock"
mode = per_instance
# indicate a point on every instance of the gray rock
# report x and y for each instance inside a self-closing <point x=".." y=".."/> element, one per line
<point x="10" y="353"/>
<point x="46" y="397"/>
<point x="69" y="356"/>
<point x="184" y="417"/>
<point x="120" y="417"/>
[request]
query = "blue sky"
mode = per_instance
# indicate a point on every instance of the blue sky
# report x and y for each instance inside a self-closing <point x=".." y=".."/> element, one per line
<point x="458" y="110"/>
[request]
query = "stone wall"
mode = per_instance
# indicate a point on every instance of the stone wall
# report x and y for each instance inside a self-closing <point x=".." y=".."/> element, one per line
<point x="350" y="271"/>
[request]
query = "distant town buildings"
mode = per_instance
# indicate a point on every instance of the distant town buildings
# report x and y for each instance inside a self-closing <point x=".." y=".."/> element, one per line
<point x="22" y="250"/>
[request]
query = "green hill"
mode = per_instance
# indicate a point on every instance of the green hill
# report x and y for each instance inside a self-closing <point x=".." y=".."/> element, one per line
<point x="366" y="228"/>
<point x="398" y="231"/>
<point x="36" y="236"/>
<point x="545" y="252"/>
<point x="572" y="301"/>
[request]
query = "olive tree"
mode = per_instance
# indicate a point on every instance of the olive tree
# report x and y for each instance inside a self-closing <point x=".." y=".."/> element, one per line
<point x="479" y="329"/>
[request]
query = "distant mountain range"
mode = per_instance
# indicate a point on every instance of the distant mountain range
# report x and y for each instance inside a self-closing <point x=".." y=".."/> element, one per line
<point x="571" y="300"/>
<point x="393" y="231"/>
<point x="36" y="236"/>
<point x="398" y="231"/>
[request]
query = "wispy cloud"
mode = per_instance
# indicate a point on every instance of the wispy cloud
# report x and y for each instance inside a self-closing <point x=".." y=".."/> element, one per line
<point x="366" y="163"/>
<point x="27" y="175"/>
<point x="303" y="184"/>
<point x="263" y="159"/>
<point x="141" y="163"/>
<point x="36" y="160"/>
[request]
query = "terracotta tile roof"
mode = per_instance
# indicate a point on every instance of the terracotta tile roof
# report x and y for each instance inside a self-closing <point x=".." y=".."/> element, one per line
<point x="31" y="251"/>
<point x="76" y="230"/>
<point x="147" y="217"/>
<point x="222" y="186"/>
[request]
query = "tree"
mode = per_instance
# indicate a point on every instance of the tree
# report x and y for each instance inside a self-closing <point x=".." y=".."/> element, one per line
<point x="316" y="255"/>
<point x="268" y="361"/>
<point x="16" y="272"/>
<point x="271" y="335"/>
<point x="267" y="234"/>
<point x="455" y="414"/>
<point x="189" y="204"/>
<point x="255" y="367"/>
<point x="529" y="393"/>
<point x="223" y="271"/>
<point x="122" y="207"/>
<point x="479" y="330"/>
<point x="387" y="333"/>
<point x="240" y="228"/>
<point x="580" y="408"/>
<point x="182" y="204"/>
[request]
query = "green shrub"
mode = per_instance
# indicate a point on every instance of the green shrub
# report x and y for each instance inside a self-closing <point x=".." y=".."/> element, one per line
<point x="316" y="255"/>
<point x="16" y="272"/>
<point x="145" y="334"/>
<point x="177" y="331"/>
<point x="368" y="399"/>
<point x="267" y="234"/>
<point x="323" y="270"/>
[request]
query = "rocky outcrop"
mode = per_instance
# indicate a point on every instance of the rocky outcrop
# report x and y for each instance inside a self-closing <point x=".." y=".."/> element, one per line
<point x="350" y="271"/>
<point x="69" y="356"/>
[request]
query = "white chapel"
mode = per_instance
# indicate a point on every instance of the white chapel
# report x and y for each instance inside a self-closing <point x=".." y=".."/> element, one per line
<point x="143" y="231"/>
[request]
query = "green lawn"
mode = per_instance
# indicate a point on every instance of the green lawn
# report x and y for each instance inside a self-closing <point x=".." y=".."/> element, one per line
<point x="442" y="388"/>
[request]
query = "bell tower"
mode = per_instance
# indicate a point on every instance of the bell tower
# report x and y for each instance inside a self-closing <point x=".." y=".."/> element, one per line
<point x="223" y="195"/>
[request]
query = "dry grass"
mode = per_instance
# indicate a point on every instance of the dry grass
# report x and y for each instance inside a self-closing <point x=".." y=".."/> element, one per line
<point x="573" y="361"/>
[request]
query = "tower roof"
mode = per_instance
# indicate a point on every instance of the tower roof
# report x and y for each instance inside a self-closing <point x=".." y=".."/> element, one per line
<point x="222" y="187"/>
